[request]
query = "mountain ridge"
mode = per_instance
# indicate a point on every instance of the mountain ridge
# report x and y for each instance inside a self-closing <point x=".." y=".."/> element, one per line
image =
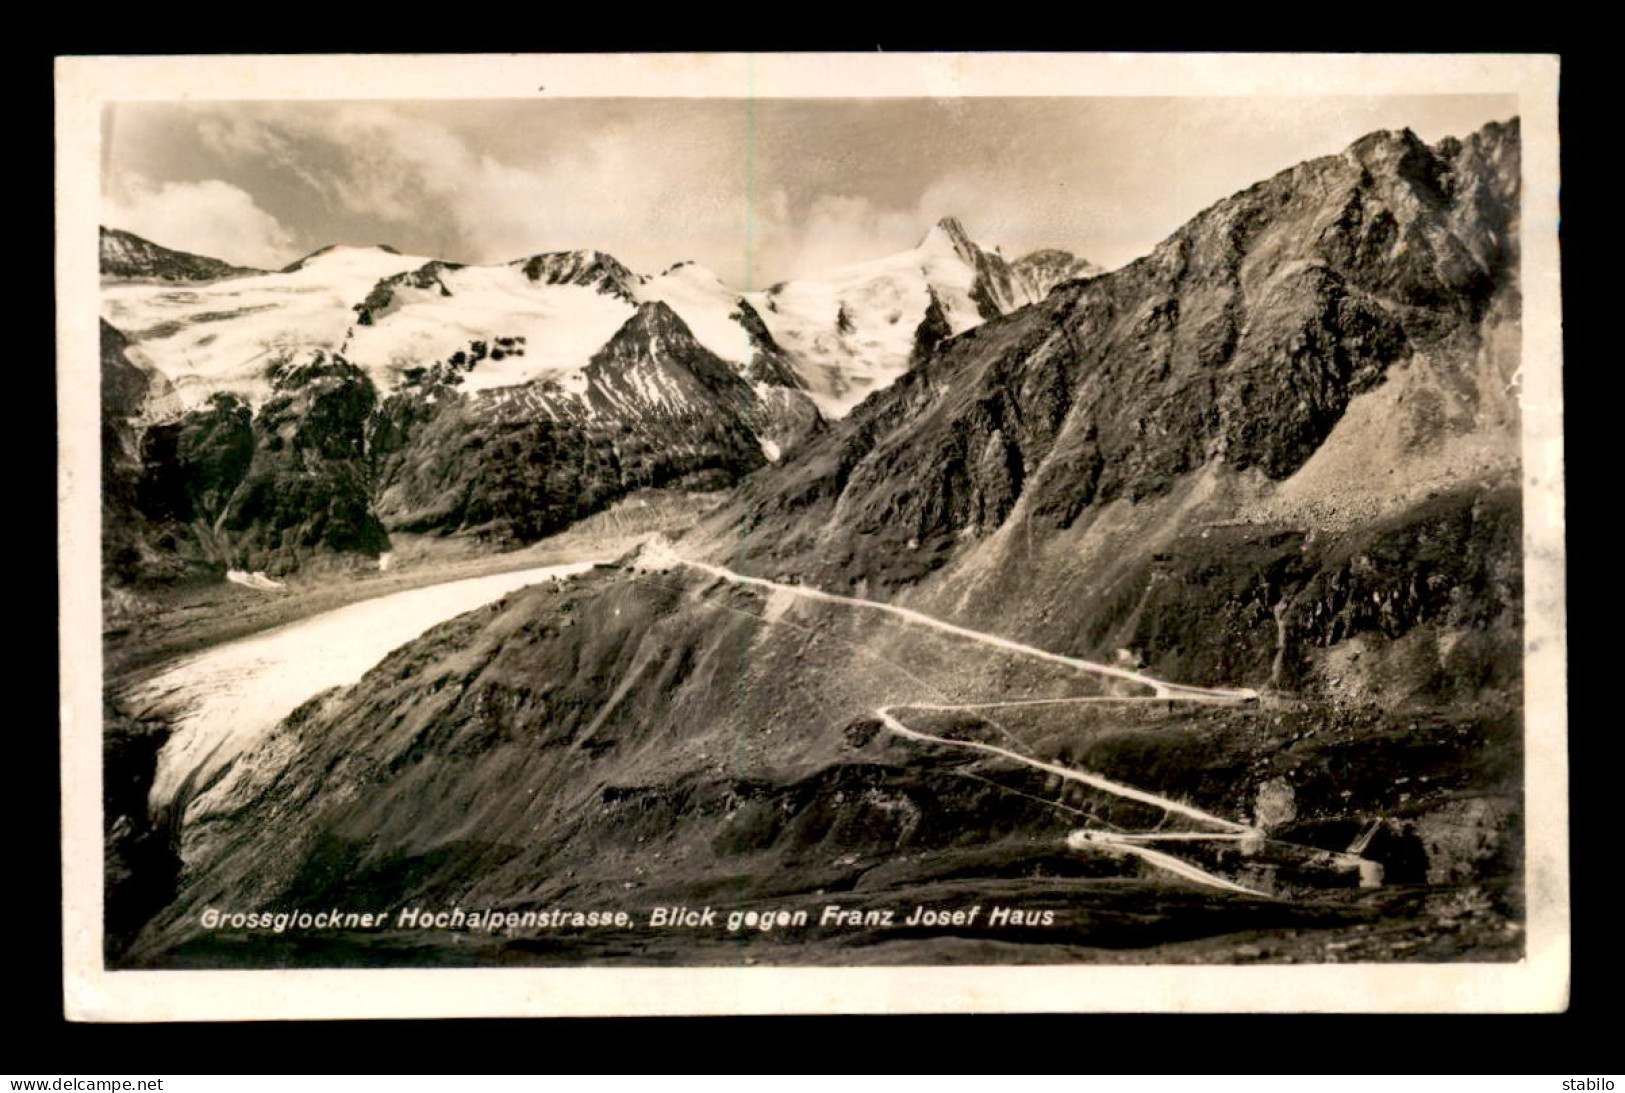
<point x="435" y="348"/>
<point x="181" y="336"/>
<point x="1119" y="473"/>
<point x="1189" y="388"/>
<point x="124" y="254"/>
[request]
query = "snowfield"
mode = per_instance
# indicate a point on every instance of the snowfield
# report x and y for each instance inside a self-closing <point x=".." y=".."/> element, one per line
<point x="222" y="335"/>
<point x="851" y="331"/>
<point x="846" y="333"/>
<point x="561" y="327"/>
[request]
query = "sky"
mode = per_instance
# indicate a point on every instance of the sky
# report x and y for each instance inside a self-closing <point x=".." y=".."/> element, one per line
<point x="758" y="190"/>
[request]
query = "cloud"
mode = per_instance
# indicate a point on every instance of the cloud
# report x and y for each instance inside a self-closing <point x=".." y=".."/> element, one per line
<point x="508" y="211"/>
<point x="614" y="187"/>
<point x="387" y="166"/>
<point x="210" y="218"/>
<point x="837" y="229"/>
<point x="650" y="183"/>
<point x="236" y="139"/>
<point x="758" y="192"/>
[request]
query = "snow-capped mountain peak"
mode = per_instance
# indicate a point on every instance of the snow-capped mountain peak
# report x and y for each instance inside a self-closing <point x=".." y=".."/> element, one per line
<point x="840" y="335"/>
<point x="854" y="330"/>
<point x="653" y="330"/>
<point x="708" y="307"/>
<point x="126" y="255"/>
<point x="341" y="255"/>
<point x="949" y="234"/>
<point x="587" y="268"/>
<point x="224" y="335"/>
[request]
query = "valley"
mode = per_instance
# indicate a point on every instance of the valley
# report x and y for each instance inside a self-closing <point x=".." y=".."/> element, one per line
<point x="1173" y="613"/>
<point x="772" y="802"/>
<point x="153" y="625"/>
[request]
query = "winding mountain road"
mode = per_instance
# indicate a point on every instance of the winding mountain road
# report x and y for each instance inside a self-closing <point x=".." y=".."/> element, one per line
<point x="659" y="555"/>
<point x="1093" y="780"/>
<point x="662" y="553"/>
<point x="225" y="700"/>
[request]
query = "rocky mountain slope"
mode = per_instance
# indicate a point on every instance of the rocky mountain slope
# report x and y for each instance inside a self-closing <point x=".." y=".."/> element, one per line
<point x="125" y="255"/>
<point x="130" y="541"/>
<point x="653" y="408"/>
<point x="627" y="743"/>
<point x="508" y="398"/>
<point x="1280" y="451"/>
<point x="1039" y="272"/>
<point x="1319" y="363"/>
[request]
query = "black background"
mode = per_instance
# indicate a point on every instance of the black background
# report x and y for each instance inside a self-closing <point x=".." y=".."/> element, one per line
<point x="35" y="1040"/>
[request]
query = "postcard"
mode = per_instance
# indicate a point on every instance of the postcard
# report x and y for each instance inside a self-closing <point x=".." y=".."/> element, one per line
<point x="811" y="533"/>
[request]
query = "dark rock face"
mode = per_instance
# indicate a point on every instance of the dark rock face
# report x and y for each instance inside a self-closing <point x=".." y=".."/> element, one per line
<point x="991" y="288"/>
<point x="125" y="390"/>
<point x="656" y="409"/>
<point x="652" y="337"/>
<point x="192" y="465"/>
<point x="932" y="331"/>
<point x="446" y="467"/>
<point x="769" y="364"/>
<point x="695" y="407"/>
<point x="140" y="541"/>
<point x="1240" y="339"/>
<point x="590" y="269"/>
<point x="1001" y="286"/>
<point x="222" y="486"/>
<point x="306" y="486"/>
<point x="142" y="861"/>
<point x="378" y="301"/>
<point x="1042" y="270"/>
<point x="124" y="254"/>
<point x="1263" y="604"/>
<point x="1233" y="349"/>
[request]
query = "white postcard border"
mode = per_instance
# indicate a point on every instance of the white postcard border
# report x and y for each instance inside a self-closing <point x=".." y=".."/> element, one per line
<point x="1539" y="983"/>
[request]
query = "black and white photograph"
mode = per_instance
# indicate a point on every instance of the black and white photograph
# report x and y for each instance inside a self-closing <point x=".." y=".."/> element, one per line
<point x="613" y="534"/>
